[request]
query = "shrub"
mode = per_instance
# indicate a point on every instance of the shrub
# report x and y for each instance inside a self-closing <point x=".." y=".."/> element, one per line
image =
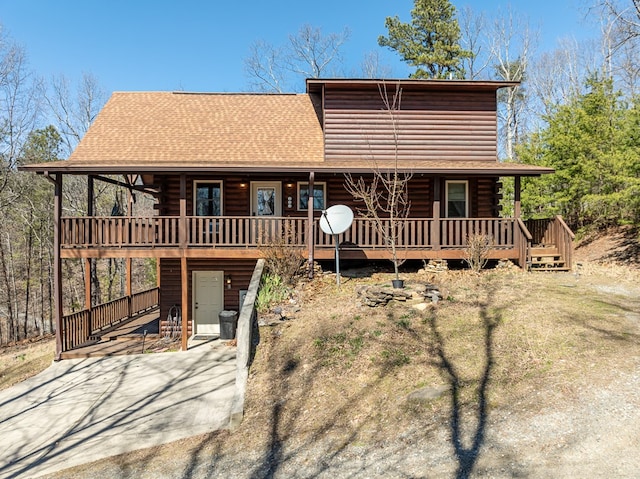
<point x="477" y="252"/>
<point x="283" y="255"/>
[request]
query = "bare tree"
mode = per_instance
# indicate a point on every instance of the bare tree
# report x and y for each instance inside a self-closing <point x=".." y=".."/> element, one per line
<point x="620" y="43"/>
<point x="472" y="38"/>
<point x="75" y="107"/>
<point x="264" y="68"/>
<point x="386" y="196"/>
<point x="559" y="75"/>
<point x="511" y="46"/>
<point x="371" y="66"/>
<point x="307" y="54"/>
<point x="625" y="15"/>
<point x="19" y="107"/>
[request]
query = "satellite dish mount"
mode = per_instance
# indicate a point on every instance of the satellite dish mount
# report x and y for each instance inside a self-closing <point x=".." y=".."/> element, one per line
<point x="334" y="221"/>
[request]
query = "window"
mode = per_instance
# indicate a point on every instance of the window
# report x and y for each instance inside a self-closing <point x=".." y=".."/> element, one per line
<point x="208" y="198"/>
<point x="319" y="195"/>
<point x="457" y="203"/>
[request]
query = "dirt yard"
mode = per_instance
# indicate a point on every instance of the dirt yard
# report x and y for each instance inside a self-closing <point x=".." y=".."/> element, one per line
<point x="510" y="374"/>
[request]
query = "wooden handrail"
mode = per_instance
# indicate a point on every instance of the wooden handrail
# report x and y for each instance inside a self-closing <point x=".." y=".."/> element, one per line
<point x="560" y="220"/>
<point x="78" y="327"/>
<point x="524" y="229"/>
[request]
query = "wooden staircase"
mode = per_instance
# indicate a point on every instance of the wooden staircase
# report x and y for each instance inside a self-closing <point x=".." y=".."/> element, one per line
<point x="547" y="258"/>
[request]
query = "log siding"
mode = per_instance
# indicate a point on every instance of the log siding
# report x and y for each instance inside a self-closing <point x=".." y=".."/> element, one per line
<point x="444" y="126"/>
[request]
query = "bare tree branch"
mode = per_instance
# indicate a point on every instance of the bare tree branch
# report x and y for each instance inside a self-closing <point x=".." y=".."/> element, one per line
<point x="264" y="68"/>
<point x="307" y="54"/>
<point x="74" y="113"/>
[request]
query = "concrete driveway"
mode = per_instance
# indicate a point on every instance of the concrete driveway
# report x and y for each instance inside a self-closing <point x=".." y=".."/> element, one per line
<point x="81" y="410"/>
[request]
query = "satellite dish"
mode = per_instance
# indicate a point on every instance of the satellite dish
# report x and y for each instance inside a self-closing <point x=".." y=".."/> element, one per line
<point x="336" y="219"/>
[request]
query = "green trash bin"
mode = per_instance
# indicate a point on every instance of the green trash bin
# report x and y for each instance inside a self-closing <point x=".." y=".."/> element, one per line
<point x="228" y="324"/>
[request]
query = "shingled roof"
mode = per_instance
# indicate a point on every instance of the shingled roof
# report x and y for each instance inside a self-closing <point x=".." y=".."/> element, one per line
<point x="138" y="132"/>
<point x="187" y="129"/>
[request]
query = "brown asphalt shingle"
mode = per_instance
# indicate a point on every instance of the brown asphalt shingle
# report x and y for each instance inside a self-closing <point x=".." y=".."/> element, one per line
<point x="156" y="127"/>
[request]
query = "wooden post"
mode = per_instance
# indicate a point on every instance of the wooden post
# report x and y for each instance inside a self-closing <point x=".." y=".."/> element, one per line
<point x="90" y="263"/>
<point x="310" y="229"/>
<point x="183" y="212"/>
<point x="57" y="262"/>
<point x="127" y="283"/>
<point x="183" y="261"/>
<point x="87" y="283"/>
<point x="516" y="197"/>
<point x="435" y="231"/>
<point x="185" y="302"/>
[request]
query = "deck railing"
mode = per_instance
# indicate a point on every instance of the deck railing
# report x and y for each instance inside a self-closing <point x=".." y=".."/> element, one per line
<point x="79" y="327"/>
<point x="252" y="231"/>
<point x="425" y="233"/>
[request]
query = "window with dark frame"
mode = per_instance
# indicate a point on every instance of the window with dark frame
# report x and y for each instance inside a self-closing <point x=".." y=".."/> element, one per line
<point x="319" y="196"/>
<point x="208" y="198"/>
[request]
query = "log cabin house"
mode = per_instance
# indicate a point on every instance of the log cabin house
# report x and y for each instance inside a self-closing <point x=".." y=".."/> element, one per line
<point x="225" y="168"/>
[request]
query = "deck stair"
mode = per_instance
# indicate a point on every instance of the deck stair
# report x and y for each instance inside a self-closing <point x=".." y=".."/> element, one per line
<point x="547" y="258"/>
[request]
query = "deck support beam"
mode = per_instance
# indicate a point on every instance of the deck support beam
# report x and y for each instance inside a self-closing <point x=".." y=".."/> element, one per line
<point x="57" y="262"/>
<point x="435" y="232"/>
<point x="182" y="233"/>
<point x="310" y="232"/>
<point x="89" y="263"/>
<point x="517" y="188"/>
<point x="184" y="338"/>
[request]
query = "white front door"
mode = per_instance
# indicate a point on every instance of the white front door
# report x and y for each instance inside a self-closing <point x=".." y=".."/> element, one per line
<point x="266" y="198"/>
<point x="208" y="301"/>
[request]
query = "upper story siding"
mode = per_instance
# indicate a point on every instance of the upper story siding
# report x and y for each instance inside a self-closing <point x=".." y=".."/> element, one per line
<point x="458" y="124"/>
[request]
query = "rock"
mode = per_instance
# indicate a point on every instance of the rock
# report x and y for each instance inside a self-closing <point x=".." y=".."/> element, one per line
<point x="380" y="296"/>
<point x="505" y="264"/>
<point x="428" y="393"/>
<point x="436" y="266"/>
<point x="420" y="306"/>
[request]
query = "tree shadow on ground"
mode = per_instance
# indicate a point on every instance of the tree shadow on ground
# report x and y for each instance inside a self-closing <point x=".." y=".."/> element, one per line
<point x="467" y="455"/>
<point x="292" y="409"/>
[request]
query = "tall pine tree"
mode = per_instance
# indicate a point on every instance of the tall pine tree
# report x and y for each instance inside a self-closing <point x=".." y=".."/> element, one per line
<point x="431" y="42"/>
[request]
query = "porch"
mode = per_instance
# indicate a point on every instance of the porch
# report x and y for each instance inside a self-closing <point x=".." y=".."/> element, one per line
<point x="220" y="236"/>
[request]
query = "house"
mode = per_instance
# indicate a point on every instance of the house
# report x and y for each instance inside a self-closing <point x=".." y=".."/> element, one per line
<point x="226" y="169"/>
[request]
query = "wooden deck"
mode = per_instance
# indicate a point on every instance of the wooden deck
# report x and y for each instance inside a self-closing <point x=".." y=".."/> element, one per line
<point x="125" y="339"/>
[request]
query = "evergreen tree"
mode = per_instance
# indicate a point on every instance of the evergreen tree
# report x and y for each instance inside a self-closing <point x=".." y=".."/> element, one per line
<point x="431" y="42"/>
<point x="593" y="143"/>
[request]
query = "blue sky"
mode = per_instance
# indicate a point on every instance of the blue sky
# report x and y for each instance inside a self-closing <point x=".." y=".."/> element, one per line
<point x="198" y="45"/>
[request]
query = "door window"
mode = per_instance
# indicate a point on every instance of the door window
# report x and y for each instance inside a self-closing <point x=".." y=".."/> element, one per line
<point x="266" y="198"/>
